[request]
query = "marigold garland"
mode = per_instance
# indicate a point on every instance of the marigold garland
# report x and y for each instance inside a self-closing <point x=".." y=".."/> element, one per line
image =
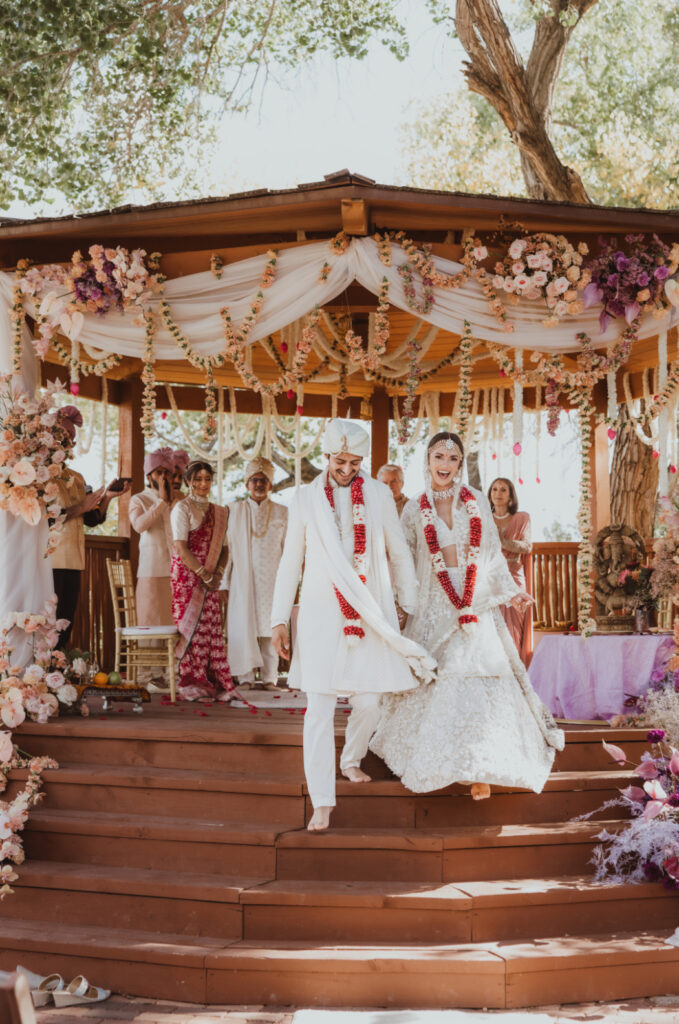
<point x="353" y="630"/>
<point x="473" y="553"/>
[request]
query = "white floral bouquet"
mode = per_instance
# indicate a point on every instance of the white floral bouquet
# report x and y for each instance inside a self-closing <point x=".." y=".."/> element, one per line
<point x="544" y="266"/>
<point x="33" y="448"/>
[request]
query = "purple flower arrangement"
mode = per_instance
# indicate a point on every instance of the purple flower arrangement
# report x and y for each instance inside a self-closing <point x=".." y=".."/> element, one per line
<point x="631" y="280"/>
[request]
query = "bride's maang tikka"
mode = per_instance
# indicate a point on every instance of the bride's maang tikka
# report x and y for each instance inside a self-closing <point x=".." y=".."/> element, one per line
<point x="448" y="445"/>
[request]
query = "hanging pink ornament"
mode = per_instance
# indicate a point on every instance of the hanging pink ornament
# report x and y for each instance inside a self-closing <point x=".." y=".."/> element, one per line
<point x="517" y="448"/>
<point x="502" y="373"/>
<point x="284" y="346"/>
<point x="655" y="454"/>
<point x="290" y="394"/>
<point x="300" y="410"/>
<point x="520" y="480"/>
<point x="74" y="389"/>
<point x="612" y="434"/>
<point x="673" y="469"/>
<point x="163" y="415"/>
<point x="493" y="456"/>
<point x="538" y="480"/>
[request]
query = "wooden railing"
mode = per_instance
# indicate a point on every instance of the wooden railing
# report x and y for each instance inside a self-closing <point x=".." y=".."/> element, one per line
<point x="555" y="579"/>
<point x="93" y="628"/>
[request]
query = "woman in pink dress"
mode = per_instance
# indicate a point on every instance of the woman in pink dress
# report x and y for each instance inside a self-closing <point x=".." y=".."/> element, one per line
<point x="198" y="562"/>
<point x="514" y="529"/>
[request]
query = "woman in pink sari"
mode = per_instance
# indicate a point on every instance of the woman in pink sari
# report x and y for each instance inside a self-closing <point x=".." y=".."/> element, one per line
<point x="198" y="561"/>
<point x="514" y="529"/>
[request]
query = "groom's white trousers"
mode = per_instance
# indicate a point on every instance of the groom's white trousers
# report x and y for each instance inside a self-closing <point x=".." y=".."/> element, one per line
<point x="319" y="740"/>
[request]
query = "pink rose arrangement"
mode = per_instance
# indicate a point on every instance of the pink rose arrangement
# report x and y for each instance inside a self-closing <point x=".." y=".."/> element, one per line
<point x="630" y="281"/>
<point x="33" y="446"/>
<point x="107" y="278"/>
<point x="544" y="266"/>
<point x="36" y="691"/>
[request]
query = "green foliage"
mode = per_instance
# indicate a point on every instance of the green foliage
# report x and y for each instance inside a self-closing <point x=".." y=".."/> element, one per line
<point x="102" y="97"/>
<point x="615" y="113"/>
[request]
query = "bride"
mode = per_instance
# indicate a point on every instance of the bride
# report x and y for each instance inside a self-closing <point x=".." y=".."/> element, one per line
<point x="480" y="721"/>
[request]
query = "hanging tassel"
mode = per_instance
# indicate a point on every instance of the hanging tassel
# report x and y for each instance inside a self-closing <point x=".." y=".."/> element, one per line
<point x="538" y="430"/>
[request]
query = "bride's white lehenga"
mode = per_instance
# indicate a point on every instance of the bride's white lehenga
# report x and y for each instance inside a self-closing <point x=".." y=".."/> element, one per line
<point x="480" y="720"/>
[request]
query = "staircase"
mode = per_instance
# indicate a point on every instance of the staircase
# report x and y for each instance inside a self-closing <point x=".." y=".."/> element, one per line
<point x="170" y="860"/>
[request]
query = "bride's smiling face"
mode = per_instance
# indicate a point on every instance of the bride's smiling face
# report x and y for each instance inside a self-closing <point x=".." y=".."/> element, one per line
<point x="443" y="465"/>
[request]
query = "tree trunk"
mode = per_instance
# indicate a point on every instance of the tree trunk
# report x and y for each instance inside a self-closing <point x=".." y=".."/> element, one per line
<point x="634" y="479"/>
<point x="474" y="470"/>
<point x="522" y="94"/>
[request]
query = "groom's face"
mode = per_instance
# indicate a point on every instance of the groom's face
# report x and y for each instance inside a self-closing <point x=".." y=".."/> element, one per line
<point x="344" y="467"/>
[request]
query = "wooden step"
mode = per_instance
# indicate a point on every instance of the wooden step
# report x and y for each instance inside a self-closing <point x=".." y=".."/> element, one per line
<point x="221" y="796"/>
<point x="495" y="975"/>
<point x="226" y="796"/>
<point x="466" y="853"/>
<point x="173" y="844"/>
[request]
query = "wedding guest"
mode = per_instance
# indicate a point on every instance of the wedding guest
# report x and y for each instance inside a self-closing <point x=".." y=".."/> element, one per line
<point x="392" y="476"/>
<point x="198" y="563"/>
<point x="82" y="507"/>
<point x="256" y="535"/>
<point x="150" y="517"/>
<point x="514" y="529"/>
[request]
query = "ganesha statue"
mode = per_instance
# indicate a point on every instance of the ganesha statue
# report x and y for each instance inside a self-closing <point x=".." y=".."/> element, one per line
<point x="617" y="546"/>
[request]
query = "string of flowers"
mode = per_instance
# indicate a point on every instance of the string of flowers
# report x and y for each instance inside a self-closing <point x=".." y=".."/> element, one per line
<point x="210" y="427"/>
<point x="340" y="243"/>
<point x="583" y="401"/>
<point x="369" y="361"/>
<point x="427" y="517"/>
<point x="148" y="376"/>
<point x="78" y="367"/>
<point x="353" y="630"/>
<point x="411" y="384"/>
<point x="325" y="272"/>
<point x="17" y="315"/>
<point x="464" y="384"/>
<point x="216" y="265"/>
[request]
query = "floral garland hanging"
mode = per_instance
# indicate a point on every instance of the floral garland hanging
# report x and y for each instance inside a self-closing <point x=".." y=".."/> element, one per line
<point x="585" y="407"/>
<point x="464" y="384"/>
<point x="17" y="315"/>
<point x="148" y="376"/>
<point x="369" y="361"/>
<point x="353" y="630"/>
<point x="473" y="553"/>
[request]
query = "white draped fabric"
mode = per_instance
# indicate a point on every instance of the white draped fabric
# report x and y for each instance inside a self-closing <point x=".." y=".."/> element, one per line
<point x="25" y="575"/>
<point x="195" y="302"/>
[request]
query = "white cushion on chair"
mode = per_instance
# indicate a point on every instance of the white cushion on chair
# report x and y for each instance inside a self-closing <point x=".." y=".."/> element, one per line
<point x="149" y="631"/>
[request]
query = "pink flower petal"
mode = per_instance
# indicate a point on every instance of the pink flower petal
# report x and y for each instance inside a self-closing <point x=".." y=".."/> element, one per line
<point x="616" y="753"/>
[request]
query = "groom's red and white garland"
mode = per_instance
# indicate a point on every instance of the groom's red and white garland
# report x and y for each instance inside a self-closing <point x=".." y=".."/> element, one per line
<point x="474" y="550"/>
<point x="353" y="630"/>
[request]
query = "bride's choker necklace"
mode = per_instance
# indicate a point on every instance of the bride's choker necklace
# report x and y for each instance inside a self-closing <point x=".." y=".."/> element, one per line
<point x="442" y="495"/>
<point x="200" y="502"/>
<point x="505" y="516"/>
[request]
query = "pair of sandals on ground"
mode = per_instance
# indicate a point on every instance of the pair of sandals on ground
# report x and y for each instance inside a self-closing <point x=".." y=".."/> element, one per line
<point x="53" y="989"/>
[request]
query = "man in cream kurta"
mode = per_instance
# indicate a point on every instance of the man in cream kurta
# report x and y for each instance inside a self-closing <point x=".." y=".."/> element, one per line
<point x="256" y="535"/>
<point x="326" y="661"/>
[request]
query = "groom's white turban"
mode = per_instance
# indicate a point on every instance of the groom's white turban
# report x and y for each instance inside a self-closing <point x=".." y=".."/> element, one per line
<point x="345" y="436"/>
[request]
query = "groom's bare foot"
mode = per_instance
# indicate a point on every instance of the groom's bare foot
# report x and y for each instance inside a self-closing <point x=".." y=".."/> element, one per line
<point x="355" y="774"/>
<point x="320" y="819"/>
<point x="480" y="791"/>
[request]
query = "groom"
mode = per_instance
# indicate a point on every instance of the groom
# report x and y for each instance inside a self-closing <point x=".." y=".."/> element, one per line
<point x="342" y="528"/>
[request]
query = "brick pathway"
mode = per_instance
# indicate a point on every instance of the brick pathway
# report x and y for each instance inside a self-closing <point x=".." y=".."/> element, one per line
<point x="656" y="1010"/>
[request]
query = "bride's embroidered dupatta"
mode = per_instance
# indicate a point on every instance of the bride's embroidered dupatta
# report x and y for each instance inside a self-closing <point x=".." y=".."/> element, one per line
<point x="188" y="591"/>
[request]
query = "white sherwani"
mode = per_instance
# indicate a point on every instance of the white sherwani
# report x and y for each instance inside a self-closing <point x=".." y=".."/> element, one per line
<point x="256" y="535"/>
<point x="323" y="661"/>
<point x="150" y="517"/>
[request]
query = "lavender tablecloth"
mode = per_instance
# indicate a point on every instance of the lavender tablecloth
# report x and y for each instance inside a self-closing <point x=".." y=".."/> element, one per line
<point x="590" y="678"/>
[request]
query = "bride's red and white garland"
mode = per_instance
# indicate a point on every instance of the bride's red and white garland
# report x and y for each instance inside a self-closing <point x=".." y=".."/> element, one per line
<point x="353" y="630"/>
<point x="474" y="550"/>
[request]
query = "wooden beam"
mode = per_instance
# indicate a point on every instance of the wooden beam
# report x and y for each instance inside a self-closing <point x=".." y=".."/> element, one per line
<point x="130" y="458"/>
<point x="380" y="429"/>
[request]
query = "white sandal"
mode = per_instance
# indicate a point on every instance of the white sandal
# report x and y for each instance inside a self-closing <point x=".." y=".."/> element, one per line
<point x="80" y="991"/>
<point x="42" y="989"/>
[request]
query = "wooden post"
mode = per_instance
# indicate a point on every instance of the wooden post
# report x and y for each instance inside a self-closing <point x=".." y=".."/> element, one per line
<point x="601" y="481"/>
<point x="130" y="457"/>
<point x="380" y="429"/>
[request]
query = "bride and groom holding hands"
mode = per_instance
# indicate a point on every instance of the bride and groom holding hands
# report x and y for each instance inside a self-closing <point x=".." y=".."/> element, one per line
<point x="445" y="700"/>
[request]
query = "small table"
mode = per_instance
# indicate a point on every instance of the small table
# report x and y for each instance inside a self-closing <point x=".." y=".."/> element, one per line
<point x="583" y="679"/>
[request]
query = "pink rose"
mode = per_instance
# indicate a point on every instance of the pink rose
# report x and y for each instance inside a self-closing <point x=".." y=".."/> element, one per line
<point x="54" y="680"/>
<point x="58" y="456"/>
<point x="6" y="752"/>
<point x="23" y="473"/>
